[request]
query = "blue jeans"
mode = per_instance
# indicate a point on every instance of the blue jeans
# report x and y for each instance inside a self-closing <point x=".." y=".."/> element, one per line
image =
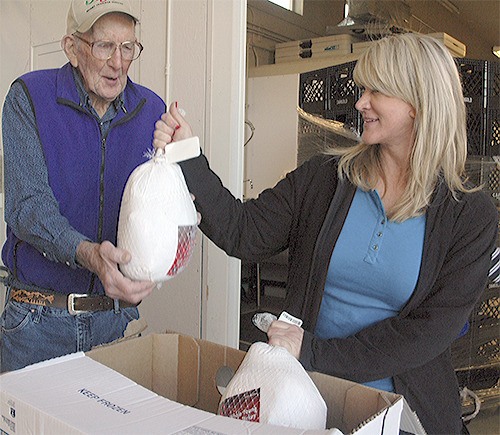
<point x="33" y="333"/>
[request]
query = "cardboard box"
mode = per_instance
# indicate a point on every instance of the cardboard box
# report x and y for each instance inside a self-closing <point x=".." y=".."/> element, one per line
<point x="334" y="55"/>
<point x="167" y="383"/>
<point x="456" y="48"/>
<point x="359" y="47"/>
<point x="322" y="47"/>
<point x="337" y="42"/>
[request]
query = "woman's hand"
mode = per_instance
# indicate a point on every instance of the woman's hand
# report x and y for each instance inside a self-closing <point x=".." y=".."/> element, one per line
<point x="286" y="335"/>
<point x="171" y="127"/>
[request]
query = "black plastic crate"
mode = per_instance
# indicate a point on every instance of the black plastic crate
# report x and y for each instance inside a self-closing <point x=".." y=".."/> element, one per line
<point x="347" y="115"/>
<point x="332" y="94"/>
<point x="484" y="171"/>
<point x="342" y="96"/>
<point x="480" y="346"/>
<point x="493" y="132"/>
<point x="473" y="75"/>
<point x="492" y="140"/>
<point x="493" y="84"/>
<point x="313" y="91"/>
<point x="342" y="91"/>
<point x="476" y="131"/>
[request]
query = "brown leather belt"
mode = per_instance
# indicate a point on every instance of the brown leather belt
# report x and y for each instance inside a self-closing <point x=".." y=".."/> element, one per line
<point x="75" y="303"/>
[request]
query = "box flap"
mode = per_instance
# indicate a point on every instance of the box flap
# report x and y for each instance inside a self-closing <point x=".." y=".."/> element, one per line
<point x="188" y="371"/>
<point x="352" y="407"/>
<point x="139" y="368"/>
<point x="212" y="357"/>
<point x="409" y="421"/>
<point x="361" y="404"/>
<point x="167" y="364"/>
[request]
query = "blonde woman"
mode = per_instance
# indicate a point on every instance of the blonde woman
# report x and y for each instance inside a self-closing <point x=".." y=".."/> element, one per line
<point x="389" y="248"/>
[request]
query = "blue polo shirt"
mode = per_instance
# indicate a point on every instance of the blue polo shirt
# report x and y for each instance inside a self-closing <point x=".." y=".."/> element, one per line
<point x="373" y="271"/>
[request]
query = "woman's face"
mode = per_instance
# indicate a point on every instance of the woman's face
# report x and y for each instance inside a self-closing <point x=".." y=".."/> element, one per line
<point x="386" y="120"/>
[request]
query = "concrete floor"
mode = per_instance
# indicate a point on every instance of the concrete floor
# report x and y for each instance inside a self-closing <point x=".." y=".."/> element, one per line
<point x="487" y="422"/>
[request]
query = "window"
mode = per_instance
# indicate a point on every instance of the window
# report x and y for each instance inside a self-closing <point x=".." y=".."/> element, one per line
<point x="287" y="4"/>
<point x="292" y="5"/>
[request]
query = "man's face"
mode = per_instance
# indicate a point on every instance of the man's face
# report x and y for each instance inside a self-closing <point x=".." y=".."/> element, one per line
<point x="104" y="80"/>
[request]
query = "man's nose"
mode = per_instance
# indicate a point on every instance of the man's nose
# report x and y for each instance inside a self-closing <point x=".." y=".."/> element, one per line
<point x="116" y="59"/>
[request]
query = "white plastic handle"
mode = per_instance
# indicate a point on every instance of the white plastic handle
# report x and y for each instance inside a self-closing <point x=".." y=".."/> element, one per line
<point x="182" y="150"/>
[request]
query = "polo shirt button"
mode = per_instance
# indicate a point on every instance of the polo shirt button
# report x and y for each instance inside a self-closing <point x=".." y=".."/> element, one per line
<point x="375" y="247"/>
<point x="67" y="263"/>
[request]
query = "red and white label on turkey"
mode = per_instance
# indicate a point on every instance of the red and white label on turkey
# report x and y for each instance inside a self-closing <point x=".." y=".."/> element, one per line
<point x="244" y="406"/>
<point x="185" y="247"/>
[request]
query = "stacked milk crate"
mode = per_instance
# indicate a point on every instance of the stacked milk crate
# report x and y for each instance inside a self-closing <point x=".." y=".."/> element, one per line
<point x="481" y="87"/>
<point x="476" y="355"/>
<point x="315" y="48"/>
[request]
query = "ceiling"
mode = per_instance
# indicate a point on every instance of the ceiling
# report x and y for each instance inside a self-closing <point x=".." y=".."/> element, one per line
<point x="476" y="19"/>
<point x="483" y="17"/>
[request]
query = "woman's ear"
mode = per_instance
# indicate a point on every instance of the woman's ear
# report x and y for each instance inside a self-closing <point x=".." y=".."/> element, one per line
<point x="412" y="113"/>
<point x="69" y="46"/>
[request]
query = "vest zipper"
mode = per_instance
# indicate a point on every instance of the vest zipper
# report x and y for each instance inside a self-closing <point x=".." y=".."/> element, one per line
<point x="101" y="206"/>
<point x="101" y="190"/>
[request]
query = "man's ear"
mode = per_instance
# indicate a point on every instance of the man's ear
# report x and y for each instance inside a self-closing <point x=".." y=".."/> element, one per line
<point x="68" y="44"/>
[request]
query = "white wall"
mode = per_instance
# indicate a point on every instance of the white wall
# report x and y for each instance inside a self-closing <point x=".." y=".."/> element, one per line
<point x="272" y="109"/>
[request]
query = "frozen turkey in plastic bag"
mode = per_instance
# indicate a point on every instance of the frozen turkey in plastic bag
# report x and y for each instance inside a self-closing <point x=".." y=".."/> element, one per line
<point x="271" y="386"/>
<point x="158" y="221"/>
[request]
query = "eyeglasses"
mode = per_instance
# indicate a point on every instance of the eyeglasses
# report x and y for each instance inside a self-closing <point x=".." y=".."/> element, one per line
<point x="103" y="50"/>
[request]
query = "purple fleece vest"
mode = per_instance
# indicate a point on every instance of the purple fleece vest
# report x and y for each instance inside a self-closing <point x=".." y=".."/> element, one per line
<point x="87" y="173"/>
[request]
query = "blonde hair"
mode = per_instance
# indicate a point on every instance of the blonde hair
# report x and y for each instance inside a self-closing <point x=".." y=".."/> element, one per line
<point x="419" y="70"/>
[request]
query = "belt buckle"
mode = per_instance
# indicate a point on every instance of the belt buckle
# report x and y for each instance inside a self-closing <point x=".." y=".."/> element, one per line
<point x="71" y="303"/>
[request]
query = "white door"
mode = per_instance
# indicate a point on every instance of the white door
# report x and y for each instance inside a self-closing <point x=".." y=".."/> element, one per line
<point x="188" y="57"/>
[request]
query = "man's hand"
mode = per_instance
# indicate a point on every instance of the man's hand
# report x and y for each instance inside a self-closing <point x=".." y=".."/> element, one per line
<point x="103" y="260"/>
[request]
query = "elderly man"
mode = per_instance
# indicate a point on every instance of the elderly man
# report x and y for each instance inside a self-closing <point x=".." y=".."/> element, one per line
<point x="71" y="138"/>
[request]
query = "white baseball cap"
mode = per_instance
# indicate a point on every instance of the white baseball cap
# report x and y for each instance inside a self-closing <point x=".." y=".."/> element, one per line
<point x="83" y="14"/>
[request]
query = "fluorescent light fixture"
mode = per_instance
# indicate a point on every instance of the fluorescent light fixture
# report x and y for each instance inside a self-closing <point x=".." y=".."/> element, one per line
<point x="496" y="50"/>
